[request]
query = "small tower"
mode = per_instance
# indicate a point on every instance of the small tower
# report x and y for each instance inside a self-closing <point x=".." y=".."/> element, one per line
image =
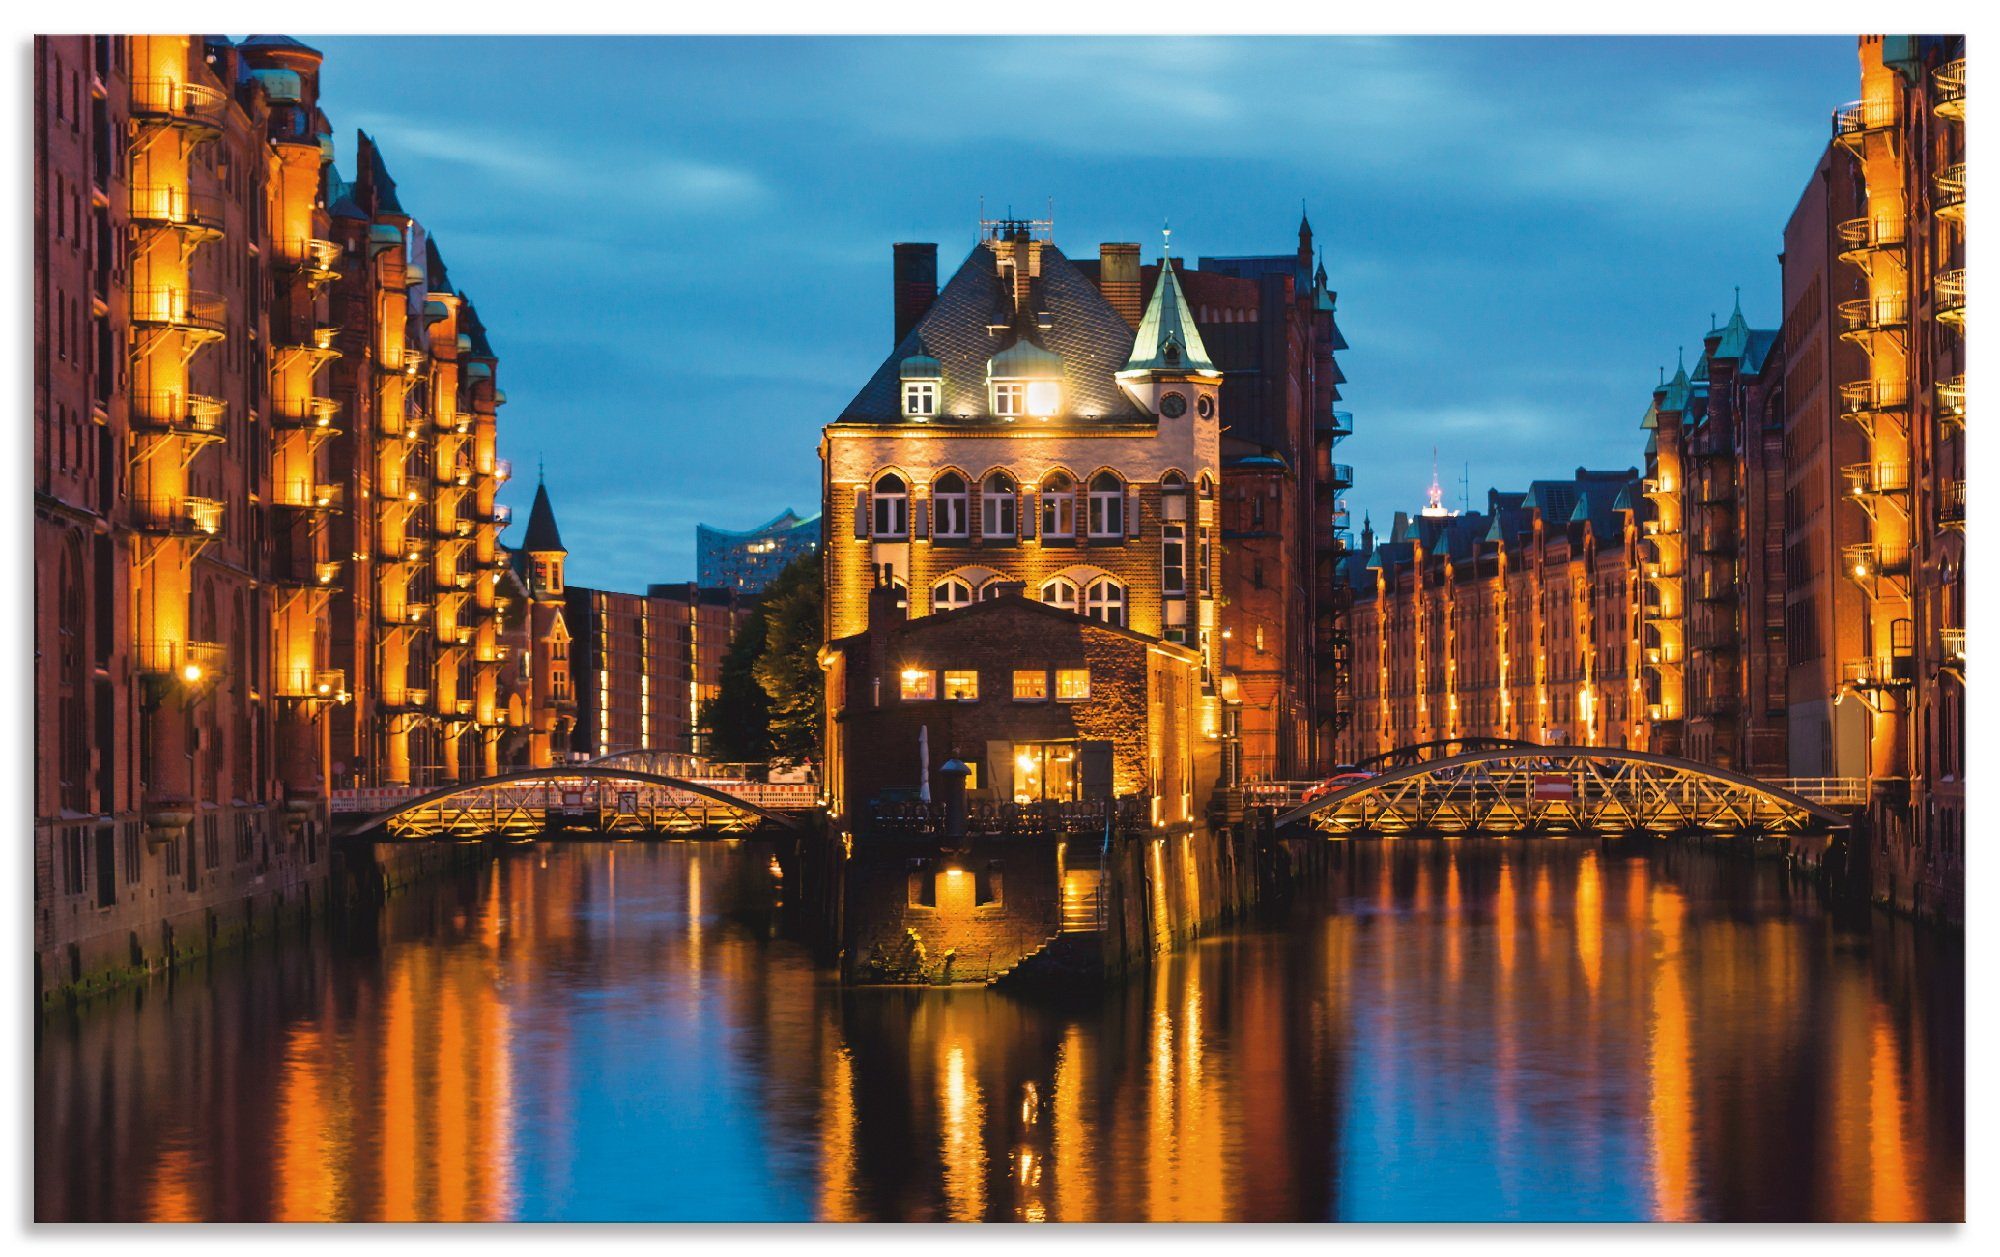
<point x="552" y="698"/>
<point x="1170" y="372"/>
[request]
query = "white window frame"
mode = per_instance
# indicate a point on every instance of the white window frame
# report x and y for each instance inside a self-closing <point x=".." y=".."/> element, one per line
<point x="951" y="507"/>
<point x="1066" y="595"/>
<point x="1173" y="560"/>
<point x="1107" y="596"/>
<point x="1059" y="507"/>
<point x="994" y="503"/>
<point x="1010" y="398"/>
<point x="920" y="398"/>
<point x="1104" y="504"/>
<point x="889" y="512"/>
<point x="942" y="594"/>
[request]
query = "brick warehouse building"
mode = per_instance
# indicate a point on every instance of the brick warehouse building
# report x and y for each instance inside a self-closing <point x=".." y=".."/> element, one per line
<point x="1516" y="622"/>
<point x="196" y="465"/>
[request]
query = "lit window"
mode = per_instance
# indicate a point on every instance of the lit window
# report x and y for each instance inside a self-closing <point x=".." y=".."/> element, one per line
<point x="1072" y="683"/>
<point x="1173" y="559"/>
<point x="961" y="686"/>
<point x="1044" y="398"/>
<point x="1105" y="601"/>
<point x="996" y="506"/>
<point x="951" y="594"/>
<point x="1058" y="505"/>
<point x="919" y="685"/>
<point x="1009" y="398"/>
<point x="920" y="397"/>
<point x="1061" y="593"/>
<point x="948" y="501"/>
<point x="892" y="507"/>
<point x="1107" y="505"/>
<point x="1031" y="686"/>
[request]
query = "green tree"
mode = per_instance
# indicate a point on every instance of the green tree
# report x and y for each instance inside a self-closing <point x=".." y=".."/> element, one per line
<point x="738" y="719"/>
<point x="788" y="666"/>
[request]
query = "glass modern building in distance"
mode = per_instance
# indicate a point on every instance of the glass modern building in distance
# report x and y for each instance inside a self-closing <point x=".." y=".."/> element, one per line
<point x="747" y="561"/>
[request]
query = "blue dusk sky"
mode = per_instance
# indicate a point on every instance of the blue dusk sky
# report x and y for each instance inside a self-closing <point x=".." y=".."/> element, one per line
<point x="680" y="246"/>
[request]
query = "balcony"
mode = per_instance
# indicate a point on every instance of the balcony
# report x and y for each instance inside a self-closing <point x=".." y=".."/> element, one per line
<point x="317" y="344"/>
<point x="309" y="258"/>
<point x="171" y="102"/>
<point x="1869" y="397"/>
<point x="1867" y="480"/>
<point x="1951" y="401"/>
<point x="502" y="516"/>
<point x="310" y="575"/>
<point x="1861" y="237"/>
<point x="1877" y="672"/>
<point x="1868" y="561"/>
<point x="301" y="495"/>
<point x="1948" y="90"/>
<point x="179" y="309"/>
<point x="1854" y="123"/>
<point x="406" y="699"/>
<point x="1865" y="317"/>
<point x="305" y="414"/>
<point x="190" y="663"/>
<point x="1948" y="297"/>
<point x="1951" y="505"/>
<point x="1337" y="424"/>
<point x="179" y="414"/>
<point x="1340" y="475"/>
<point x="178" y="516"/>
<point x="197" y="215"/>
<point x="503" y="469"/>
<point x="1658" y="486"/>
<point x="1951" y="645"/>
<point x="1948" y="188"/>
<point x="313" y="686"/>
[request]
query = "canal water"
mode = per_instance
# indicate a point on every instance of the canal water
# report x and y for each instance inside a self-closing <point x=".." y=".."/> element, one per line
<point x="1525" y="1030"/>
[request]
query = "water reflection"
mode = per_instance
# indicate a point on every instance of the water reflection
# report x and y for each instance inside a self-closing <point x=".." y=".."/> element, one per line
<point x="1454" y="1030"/>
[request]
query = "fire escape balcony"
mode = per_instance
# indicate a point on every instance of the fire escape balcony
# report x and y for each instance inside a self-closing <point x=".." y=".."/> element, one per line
<point x="1948" y="297"/>
<point x="174" y="103"/>
<point x="178" y="516"/>
<point x="1340" y="475"/>
<point x="1948" y="90"/>
<point x="1951" y="401"/>
<point x="1865" y="318"/>
<point x="1948" y="187"/>
<point x="198" y="216"/>
<point x="1861" y="238"/>
<point x="303" y="495"/>
<point x="203" y="315"/>
<point x="1872" y="397"/>
<point x="409" y="698"/>
<point x="313" y="414"/>
<point x="310" y="575"/>
<point x="1856" y="123"/>
<point x="406" y="615"/>
<point x="309" y="685"/>
<point x="1867" y="562"/>
<point x="1877" y="672"/>
<point x="1338" y="424"/>
<point x="189" y="415"/>
<point x="1951" y="505"/>
<point x="1951" y="645"/>
<point x="189" y="663"/>
<point x="316" y="344"/>
<point x="1868" y="480"/>
<point x="310" y="259"/>
<point x="1659" y="486"/>
<point x="503" y="469"/>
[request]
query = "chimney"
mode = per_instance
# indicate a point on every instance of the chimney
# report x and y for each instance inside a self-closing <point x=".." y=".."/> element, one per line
<point x="888" y="606"/>
<point x="916" y="285"/>
<point x="1118" y="279"/>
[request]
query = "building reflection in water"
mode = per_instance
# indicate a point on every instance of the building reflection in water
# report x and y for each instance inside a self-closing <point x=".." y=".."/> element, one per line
<point x="1455" y="1030"/>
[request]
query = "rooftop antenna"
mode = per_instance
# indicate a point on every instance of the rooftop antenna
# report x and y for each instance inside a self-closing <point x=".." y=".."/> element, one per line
<point x="1465" y="491"/>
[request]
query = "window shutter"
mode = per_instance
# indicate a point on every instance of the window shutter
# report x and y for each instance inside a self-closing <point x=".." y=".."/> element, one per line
<point x="861" y="513"/>
<point x="1024" y="515"/>
<point x="920" y="518"/>
<point x="1131" y="510"/>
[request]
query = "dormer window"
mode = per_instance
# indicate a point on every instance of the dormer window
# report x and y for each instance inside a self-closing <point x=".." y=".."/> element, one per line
<point x="920" y="398"/>
<point x="1025" y="379"/>
<point x="1010" y="398"/>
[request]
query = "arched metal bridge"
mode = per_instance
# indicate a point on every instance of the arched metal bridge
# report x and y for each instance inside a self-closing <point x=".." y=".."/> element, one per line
<point x="1567" y="789"/>
<point x="1442" y="748"/>
<point x="587" y="801"/>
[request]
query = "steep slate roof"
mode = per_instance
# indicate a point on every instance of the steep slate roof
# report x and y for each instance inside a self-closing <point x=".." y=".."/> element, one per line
<point x="378" y="175"/>
<point x="468" y="322"/>
<point x="437" y="278"/>
<point x="1089" y="336"/>
<point x="542" y="534"/>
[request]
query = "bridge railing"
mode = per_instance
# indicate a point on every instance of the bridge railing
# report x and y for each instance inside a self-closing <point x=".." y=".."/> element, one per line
<point x="1826" y="791"/>
<point x="982" y="819"/>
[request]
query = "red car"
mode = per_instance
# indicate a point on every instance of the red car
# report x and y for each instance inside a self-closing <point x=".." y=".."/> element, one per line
<point x="1334" y="784"/>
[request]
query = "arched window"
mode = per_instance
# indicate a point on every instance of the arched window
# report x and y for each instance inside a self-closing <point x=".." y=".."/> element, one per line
<point x="1061" y="593"/>
<point x="892" y="506"/>
<point x="1058" y="505"/>
<point x="1205" y="486"/>
<point x="948" y="506"/>
<point x="953" y="593"/>
<point x="992" y="588"/>
<point x="1107" y="505"/>
<point x="1106" y="601"/>
<point x="996" y="506"/>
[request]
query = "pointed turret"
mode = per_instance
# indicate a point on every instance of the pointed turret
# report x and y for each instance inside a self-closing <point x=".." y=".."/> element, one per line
<point x="1735" y="335"/>
<point x="542" y="537"/>
<point x="1168" y="339"/>
<point x="1674" y="394"/>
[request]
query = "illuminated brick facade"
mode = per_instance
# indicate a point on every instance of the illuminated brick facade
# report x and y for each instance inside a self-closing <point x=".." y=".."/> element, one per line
<point x="645" y="663"/>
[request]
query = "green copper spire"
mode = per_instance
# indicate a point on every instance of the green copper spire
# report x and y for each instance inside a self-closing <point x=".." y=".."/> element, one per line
<point x="1168" y="339"/>
<point x="1735" y="333"/>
